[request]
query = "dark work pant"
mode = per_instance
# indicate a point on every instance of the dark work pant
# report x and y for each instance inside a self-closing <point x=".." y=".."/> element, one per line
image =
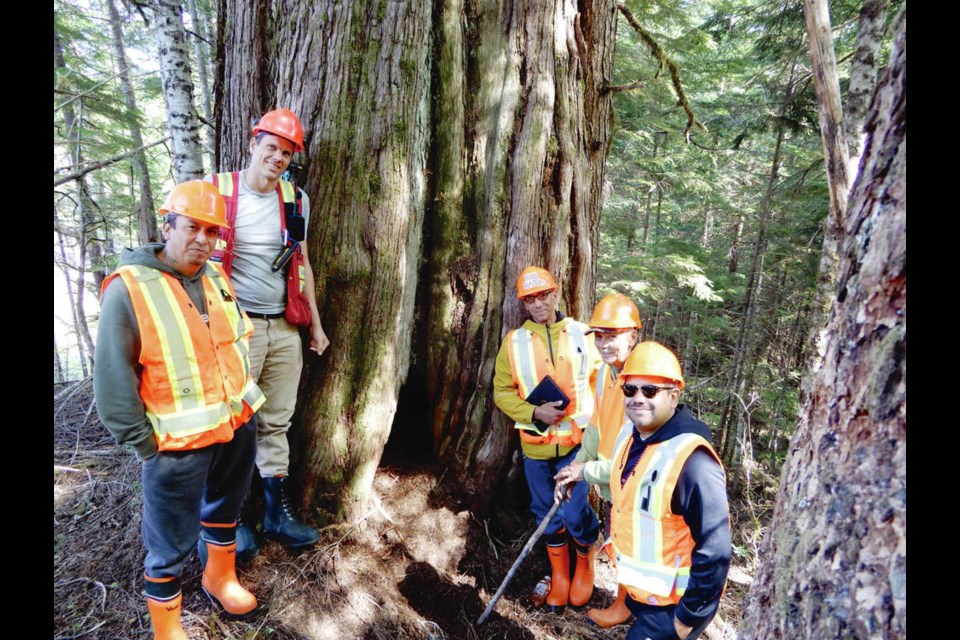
<point x="656" y="623"/>
<point x="575" y="513"/>
<point x="183" y="488"/>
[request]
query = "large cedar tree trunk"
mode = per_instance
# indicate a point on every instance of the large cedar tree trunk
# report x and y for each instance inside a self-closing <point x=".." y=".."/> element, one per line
<point x="834" y="558"/>
<point x="449" y="144"/>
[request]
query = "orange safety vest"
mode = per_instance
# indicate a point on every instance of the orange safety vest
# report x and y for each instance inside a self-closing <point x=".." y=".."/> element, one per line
<point x="653" y="546"/>
<point x="610" y="414"/>
<point x="195" y="382"/>
<point x="530" y="363"/>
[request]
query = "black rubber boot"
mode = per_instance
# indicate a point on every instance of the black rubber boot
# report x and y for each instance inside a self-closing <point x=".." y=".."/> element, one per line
<point x="279" y="521"/>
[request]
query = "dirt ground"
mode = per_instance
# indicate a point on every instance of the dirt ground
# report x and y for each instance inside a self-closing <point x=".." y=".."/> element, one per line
<point x="418" y="565"/>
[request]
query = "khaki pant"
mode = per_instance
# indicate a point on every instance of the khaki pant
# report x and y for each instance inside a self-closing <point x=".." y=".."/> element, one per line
<point x="276" y="358"/>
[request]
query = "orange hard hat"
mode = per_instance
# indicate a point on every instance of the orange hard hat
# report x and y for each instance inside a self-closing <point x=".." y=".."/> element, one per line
<point x="283" y="123"/>
<point x="199" y="200"/>
<point x="615" y="311"/>
<point x="534" y="280"/>
<point x="654" y="360"/>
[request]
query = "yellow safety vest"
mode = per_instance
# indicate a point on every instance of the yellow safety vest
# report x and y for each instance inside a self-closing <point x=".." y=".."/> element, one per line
<point x="530" y="363"/>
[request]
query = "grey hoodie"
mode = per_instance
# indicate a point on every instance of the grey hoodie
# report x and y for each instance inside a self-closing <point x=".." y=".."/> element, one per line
<point x="116" y="371"/>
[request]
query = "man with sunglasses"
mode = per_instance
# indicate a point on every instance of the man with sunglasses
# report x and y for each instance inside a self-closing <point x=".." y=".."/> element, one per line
<point x="615" y="326"/>
<point x="671" y="521"/>
<point x="549" y="344"/>
<point x="265" y="254"/>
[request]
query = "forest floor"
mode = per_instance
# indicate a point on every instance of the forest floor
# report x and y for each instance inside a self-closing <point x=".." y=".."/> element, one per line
<point x="418" y="565"/>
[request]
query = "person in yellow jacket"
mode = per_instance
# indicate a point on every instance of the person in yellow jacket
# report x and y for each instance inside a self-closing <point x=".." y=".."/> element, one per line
<point x="551" y="344"/>
<point x="172" y="380"/>
<point x="615" y="325"/>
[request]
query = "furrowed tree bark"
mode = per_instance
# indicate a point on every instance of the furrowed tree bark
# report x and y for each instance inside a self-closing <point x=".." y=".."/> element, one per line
<point x="449" y="145"/>
<point x="177" y="81"/>
<point x="834" y="558"/>
<point x="146" y="213"/>
<point x="358" y="76"/>
<point x="242" y="91"/>
<point x="519" y="182"/>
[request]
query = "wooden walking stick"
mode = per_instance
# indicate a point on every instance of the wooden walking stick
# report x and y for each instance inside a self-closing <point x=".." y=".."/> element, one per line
<point x="523" y="554"/>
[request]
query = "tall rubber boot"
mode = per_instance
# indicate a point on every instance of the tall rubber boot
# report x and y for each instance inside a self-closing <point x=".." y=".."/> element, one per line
<point x="557" y="599"/>
<point x="582" y="588"/>
<point x="616" y="613"/>
<point x="279" y="521"/>
<point x="221" y="585"/>
<point x="164" y="602"/>
<point x="247" y="546"/>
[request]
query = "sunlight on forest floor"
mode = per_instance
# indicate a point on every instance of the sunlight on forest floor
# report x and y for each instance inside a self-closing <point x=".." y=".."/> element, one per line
<point x="418" y="565"/>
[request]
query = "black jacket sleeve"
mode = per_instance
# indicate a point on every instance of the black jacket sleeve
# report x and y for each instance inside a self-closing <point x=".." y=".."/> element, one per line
<point x="701" y="498"/>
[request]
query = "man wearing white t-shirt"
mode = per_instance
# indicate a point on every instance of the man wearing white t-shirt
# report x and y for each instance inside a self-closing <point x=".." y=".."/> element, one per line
<point x="266" y="257"/>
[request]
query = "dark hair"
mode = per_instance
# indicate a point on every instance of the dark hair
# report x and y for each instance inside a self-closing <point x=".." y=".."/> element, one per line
<point x="171" y="218"/>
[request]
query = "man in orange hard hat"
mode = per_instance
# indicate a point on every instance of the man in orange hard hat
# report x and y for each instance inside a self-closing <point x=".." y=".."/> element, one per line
<point x="549" y="344"/>
<point x="615" y="326"/>
<point x="670" y="518"/>
<point x="265" y="255"/>
<point x="172" y="380"/>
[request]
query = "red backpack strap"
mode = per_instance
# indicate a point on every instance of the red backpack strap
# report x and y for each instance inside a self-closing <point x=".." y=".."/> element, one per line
<point x="224" y="251"/>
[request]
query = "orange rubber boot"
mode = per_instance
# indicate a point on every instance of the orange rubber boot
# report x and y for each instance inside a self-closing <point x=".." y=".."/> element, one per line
<point x="221" y="585"/>
<point x="560" y="580"/>
<point x="165" y="618"/>
<point x="615" y="614"/>
<point x="582" y="587"/>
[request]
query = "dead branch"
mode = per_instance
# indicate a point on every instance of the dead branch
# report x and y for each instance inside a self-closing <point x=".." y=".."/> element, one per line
<point x="657" y="51"/>
<point x="105" y="163"/>
<point x="638" y="84"/>
<point x="69" y="391"/>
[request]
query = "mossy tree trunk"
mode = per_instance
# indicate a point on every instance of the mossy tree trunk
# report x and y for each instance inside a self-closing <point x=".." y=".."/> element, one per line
<point x="522" y="129"/>
<point x="834" y="558"/>
<point x="449" y="144"/>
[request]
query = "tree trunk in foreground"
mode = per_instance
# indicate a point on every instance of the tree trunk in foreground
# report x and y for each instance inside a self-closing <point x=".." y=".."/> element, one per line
<point x="449" y="145"/>
<point x="834" y="558"/>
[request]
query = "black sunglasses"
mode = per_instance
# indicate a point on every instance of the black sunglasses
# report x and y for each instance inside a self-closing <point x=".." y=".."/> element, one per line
<point x="648" y="390"/>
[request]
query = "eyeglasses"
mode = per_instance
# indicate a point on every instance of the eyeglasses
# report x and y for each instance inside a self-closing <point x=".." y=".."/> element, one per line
<point x="648" y="390"/>
<point x="542" y="297"/>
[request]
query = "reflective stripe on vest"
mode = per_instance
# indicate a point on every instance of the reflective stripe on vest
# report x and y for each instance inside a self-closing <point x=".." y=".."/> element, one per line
<point x="583" y="398"/>
<point x="195" y="381"/>
<point x="626" y="428"/>
<point x="610" y="416"/>
<point x="653" y="546"/>
<point x="530" y="364"/>
<point x="225" y="185"/>
<point x="602" y="374"/>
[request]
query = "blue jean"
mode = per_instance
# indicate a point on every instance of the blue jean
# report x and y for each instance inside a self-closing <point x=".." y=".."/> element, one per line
<point x="183" y="488"/>
<point x="656" y="623"/>
<point x="576" y="513"/>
